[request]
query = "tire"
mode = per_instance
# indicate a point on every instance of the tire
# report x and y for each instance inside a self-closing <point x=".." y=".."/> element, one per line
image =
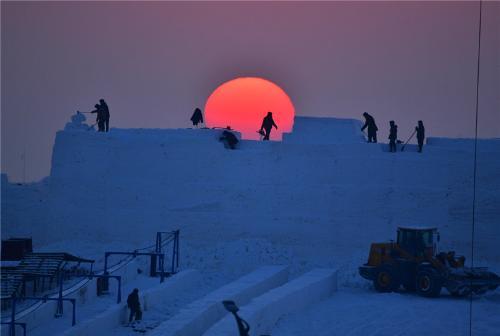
<point x="494" y="277"/>
<point x="429" y="283"/>
<point x="386" y="279"/>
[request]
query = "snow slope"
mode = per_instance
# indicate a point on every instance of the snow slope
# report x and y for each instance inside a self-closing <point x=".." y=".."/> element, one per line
<point x="317" y="199"/>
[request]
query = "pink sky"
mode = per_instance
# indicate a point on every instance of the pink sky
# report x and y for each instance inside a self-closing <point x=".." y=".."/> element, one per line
<point x="154" y="62"/>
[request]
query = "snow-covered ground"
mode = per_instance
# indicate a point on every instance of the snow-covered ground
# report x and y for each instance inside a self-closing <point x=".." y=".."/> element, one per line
<point x="317" y="199"/>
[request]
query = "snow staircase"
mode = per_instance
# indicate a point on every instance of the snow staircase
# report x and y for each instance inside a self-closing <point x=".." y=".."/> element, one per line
<point x="116" y="316"/>
<point x="264" y="311"/>
<point x="201" y="314"/>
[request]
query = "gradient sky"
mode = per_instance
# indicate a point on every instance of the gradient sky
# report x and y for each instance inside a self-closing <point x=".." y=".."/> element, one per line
<point x="154" y="62"/>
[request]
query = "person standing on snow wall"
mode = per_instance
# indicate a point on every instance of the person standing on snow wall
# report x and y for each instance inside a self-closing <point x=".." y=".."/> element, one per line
<point x="372" y="128"/>
<point x="100" y="119"/>
<point x="267" y="125"/>
<point x="393" y="136"/>
<point x="105" y="115"/>
<point x="197" y="117"/>
<point x="134" y="305"/>
<point x="420" y="135"/>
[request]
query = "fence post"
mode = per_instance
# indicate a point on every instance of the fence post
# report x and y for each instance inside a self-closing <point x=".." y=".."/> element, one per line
<point x="13" y="316"/>
<point x="59" y="310"/>
<point x="119" y="278"/>
<point x="73" y="322"/>
<point x="162" y="267"/>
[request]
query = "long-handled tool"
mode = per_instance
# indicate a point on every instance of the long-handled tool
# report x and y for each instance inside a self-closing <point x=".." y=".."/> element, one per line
<point x="243" y="327"/>
<point x="411" y="136"/>
<point x="91" y="127"/>
<point x="261" y="133"/>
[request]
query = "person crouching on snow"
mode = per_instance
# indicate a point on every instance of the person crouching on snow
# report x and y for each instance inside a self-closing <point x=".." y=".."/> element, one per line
<point x="134" y="305"/>
<point x="229" y="138"/>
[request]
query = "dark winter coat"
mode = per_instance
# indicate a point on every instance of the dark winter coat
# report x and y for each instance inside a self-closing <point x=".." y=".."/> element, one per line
<point x="393" y="133"/>
<point x="100" y="114"/>
<point x="370" y="123"/>
<point x="105" y="111"/>
<point x="268" y="123"/>
<point x="197" y="117"/>
<point x="133" y="301"/>
<point x="420" y="133"/>
<point x="230" y="138"/>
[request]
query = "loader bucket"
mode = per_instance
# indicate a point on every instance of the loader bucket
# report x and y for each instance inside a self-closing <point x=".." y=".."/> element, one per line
<point x="478" y="280"/>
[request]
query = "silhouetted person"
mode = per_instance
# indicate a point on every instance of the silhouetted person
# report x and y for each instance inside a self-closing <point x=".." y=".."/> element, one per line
<point x="105" y="114"/>
<point x="267" y="125"/>
<point x="372" y="128"/>
<point x="100" y="117"/>
<point x="229" y="138"/>
<point x="197" y="117"/>
<point x="393" y="136"/>
<point x="420" y="135"/>
<point x="134" y="305"/>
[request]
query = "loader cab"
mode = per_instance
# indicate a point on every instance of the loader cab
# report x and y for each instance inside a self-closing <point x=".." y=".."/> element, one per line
<point x="418" y="241"/>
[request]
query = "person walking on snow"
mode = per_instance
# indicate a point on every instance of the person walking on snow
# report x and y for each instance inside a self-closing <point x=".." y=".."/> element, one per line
<point x="372" y="128"/>
<point x="420" y="135"/>
<point x="393" y="136"/>
<point x="267" y="125"/>
<point x="134" y="305"/>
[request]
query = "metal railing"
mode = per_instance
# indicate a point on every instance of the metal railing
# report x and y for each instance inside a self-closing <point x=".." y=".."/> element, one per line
<point x="163" y="239"/>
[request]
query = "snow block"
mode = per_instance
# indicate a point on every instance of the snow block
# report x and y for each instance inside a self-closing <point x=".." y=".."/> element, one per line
<point x="483" y="145"/>
<point x="115" y="316"/>
<point x="263" y="312"/>
<point x="311" y="130"/>
<point x="202" y="314"/>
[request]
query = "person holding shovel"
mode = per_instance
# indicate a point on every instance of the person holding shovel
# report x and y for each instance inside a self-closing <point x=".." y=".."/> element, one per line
<point x="372" y="127"/>
<point x="100" y="117"/>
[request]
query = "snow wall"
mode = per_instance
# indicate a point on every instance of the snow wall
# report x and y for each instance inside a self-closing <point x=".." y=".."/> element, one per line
<point x="321" y="190"/>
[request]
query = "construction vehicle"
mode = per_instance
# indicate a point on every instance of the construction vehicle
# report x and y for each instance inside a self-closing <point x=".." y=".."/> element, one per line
<point x="413" y="261"/>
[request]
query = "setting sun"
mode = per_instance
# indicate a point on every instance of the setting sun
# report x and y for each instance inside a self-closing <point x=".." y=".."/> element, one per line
<point x="242" y="103"/>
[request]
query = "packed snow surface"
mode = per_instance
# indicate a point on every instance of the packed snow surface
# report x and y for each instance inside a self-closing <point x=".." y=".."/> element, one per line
<point x="317" y="199"/>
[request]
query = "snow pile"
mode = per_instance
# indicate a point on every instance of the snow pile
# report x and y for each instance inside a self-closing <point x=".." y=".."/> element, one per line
<point x="77" y="123"/>
<point x="310" y="130"/>
<point x="484" y="145"/>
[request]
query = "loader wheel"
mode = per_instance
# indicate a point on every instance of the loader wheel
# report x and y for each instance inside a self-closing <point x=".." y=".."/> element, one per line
<point x="386" y="279"/>
<point x="494" y="277"/>
<point x="428" y="283"/>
